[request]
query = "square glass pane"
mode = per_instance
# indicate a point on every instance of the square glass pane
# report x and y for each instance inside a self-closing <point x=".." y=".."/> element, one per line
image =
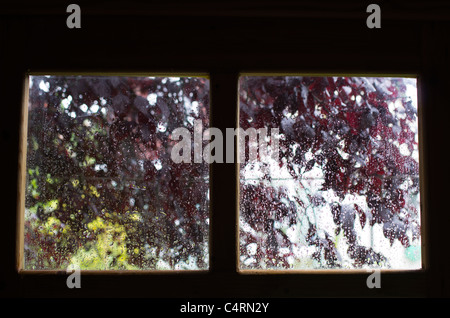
<point x="102" y="192"/>
<point x="342" y="190"/>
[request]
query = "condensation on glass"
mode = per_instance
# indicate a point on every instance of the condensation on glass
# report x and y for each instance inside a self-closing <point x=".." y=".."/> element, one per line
<point x="343" y="192"/>
<point x="102" y="192"/>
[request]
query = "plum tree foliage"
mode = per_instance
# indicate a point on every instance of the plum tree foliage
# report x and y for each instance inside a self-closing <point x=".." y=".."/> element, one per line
<point x="102" y="192"/>
<point x="360" y="134"/>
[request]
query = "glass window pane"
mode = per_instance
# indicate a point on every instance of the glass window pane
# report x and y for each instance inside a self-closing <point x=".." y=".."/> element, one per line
<point x="102" y="192"/>
<point x="343" y="191"/>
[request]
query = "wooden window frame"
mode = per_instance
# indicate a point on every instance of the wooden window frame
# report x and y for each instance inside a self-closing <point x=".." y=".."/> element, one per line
<point x="22" y="171"/>
<point x="225" y="42"/>
<point x="424" y="257"/>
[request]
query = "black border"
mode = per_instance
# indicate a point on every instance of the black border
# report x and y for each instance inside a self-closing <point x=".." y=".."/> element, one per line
<point x="224" y="38"/>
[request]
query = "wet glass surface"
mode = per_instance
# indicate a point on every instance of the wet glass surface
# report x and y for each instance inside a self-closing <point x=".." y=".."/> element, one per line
<point x="102" y="191"/>
<point x="343" y="192"/>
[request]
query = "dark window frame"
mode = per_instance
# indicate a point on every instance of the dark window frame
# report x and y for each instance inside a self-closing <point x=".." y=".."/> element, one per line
<point x="224" y="42"/>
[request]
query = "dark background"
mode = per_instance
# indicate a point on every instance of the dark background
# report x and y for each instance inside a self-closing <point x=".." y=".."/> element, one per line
<point x="224" y="38"/>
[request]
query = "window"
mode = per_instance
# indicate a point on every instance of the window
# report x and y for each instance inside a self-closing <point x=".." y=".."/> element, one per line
<point x="342" y="191"/>
<point x="102" y="192"/>
<point x="224" y="40"/>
